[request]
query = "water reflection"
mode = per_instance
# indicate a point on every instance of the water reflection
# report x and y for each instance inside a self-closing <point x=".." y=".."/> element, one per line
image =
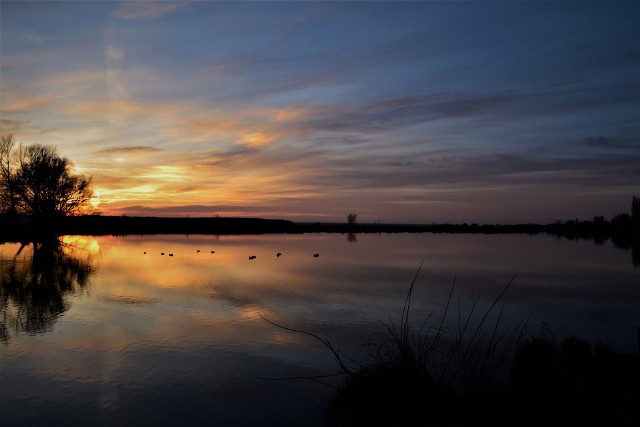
<point x="626" y="243"/>
<point x="35" y="282"/>
<point x="178" y="340"/>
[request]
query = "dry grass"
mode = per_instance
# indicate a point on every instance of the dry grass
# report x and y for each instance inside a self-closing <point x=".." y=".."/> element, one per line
<point x="476" y="373"/>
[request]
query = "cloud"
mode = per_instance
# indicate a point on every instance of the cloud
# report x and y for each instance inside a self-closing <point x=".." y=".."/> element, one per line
<point x="114" y="55"/>
<point x="407" y="111"/>
<point x="18" y="105"/>
<point x="605" y="142"/>
<point x="270" y="210"/>
<point x="124" y="151"/>
<point x="137" y="10"/>
<point x="511" y="105"/>
<point x="10" y="126"/>
<point x="187" y="121"/>
<point x="306" y="108"/>
<point x="25" y="36"/>
<point x="71" y="79"/>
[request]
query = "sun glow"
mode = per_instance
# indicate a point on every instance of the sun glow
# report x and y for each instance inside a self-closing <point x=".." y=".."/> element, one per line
<point x="169" y="173"/>
<point x="95" y="200"/>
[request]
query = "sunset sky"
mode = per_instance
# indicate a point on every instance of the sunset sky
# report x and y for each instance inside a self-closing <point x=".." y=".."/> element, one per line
<point x="413" y="112"/>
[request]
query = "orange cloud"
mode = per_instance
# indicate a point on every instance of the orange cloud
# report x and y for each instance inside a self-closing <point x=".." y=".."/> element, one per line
<point x="148" y="166"/>
<point x="256" y="139"/>
<point x="71" y="79"/>
<point x="297" y="113"/>
<point x="16" y="105"/>
<point x="127" y="151"/>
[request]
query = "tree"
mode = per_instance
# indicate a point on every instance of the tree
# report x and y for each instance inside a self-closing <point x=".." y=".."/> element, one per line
<point x="37" y="181"/>
<point x="7" y="186"/>
<point x="351" y="218"/>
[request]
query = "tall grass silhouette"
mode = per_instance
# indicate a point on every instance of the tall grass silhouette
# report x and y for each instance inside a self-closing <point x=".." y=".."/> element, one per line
<point x="405" y="372"/>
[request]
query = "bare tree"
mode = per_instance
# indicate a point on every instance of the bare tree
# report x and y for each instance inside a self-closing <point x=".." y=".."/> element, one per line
<point x="352" y="218"/>
<point x="7" y="182"/>
<point x="37" y="181"/>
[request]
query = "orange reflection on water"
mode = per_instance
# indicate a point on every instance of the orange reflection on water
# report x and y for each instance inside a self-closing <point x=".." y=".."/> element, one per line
<point x="148" y="321"/>
<point x="252" y="313"/>
<point x="74" y="245"/>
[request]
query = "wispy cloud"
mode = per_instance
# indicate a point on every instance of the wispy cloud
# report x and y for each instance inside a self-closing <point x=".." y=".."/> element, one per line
<point x="10" y="126"/>
<point x="612" y="143"/>
<point x="25" y="36"/>
<point x="147" y="9"/>
<point x="17" y="105"/>
<point x="125" y="150"/>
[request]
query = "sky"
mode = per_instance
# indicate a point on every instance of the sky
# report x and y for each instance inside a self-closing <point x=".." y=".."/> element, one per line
<point x="413" y="112"/>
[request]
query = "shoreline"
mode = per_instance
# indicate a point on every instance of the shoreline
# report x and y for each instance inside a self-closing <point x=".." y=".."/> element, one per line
<point x="23" y="228"/>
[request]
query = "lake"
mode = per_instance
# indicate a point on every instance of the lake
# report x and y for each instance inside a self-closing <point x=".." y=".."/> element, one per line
<point x="108" y="331"/>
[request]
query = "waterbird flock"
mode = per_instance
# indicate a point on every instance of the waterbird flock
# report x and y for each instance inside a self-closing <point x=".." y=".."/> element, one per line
<point x="279" y="254"/>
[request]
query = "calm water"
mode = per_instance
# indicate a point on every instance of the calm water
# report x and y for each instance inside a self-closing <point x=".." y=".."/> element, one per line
<point x="96" y="332"/>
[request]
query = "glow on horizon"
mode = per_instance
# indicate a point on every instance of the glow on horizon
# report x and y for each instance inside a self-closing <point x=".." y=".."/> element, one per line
<point x="401" y="112"/>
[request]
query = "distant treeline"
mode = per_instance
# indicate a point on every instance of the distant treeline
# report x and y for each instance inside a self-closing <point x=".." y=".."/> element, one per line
<point x="33" y="228"/>
<point x="623" y="230"/>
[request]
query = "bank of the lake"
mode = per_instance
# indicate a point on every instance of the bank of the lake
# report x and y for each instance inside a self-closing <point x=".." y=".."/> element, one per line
<point x="622" y="230"/>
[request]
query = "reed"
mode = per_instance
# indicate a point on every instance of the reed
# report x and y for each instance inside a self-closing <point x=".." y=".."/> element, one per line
<point x="410" y="376"/>
<point x="476" y="373"/>
<point x="405" y="372"/>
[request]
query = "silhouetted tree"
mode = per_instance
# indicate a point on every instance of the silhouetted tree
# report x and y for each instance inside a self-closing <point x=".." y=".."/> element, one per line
<point x="635" y="209"/>
<point x="7" y="185"/>
<point x="37" y="181"/>
<point x="352" y="218"/>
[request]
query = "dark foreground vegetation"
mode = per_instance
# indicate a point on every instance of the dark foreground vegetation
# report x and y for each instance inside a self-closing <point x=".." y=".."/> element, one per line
<point x="551" y="382"/>
<point x="479" y="376"/>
